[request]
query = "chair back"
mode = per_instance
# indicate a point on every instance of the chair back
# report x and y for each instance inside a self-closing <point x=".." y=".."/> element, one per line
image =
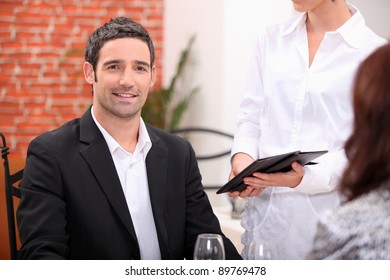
<point x="220" y="148"/>
<point x="11" y="191"/>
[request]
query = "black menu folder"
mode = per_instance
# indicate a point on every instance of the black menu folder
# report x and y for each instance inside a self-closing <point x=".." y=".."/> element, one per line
<point x="278" y="163"/>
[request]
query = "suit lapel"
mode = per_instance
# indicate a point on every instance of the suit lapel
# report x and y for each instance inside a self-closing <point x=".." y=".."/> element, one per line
<point x="98" y="157"/>
<point x="156" y="166"/>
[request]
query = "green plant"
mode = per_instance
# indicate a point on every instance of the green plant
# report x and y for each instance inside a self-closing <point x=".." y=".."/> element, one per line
<point x="163" y="108"/>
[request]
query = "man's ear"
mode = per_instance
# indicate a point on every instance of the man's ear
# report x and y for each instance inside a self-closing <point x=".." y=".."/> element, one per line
<point x="153" y="76"/>
<point x="89" y="74"/>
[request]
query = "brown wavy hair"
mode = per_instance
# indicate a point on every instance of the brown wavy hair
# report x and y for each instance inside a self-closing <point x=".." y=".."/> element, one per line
<point x="368" y="147"/>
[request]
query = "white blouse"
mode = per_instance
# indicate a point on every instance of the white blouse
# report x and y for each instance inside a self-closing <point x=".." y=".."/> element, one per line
<point x="290" y="106"/>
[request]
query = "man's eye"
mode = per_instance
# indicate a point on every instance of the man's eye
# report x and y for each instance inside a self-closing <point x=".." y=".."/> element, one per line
<point x="113" y="67"/>
<point x="141" y="68"/>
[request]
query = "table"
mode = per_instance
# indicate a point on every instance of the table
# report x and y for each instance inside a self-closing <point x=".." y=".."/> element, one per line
<point x="230" y="227"/>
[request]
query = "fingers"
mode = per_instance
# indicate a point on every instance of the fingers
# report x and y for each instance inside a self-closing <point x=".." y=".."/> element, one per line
<point x="290" y="179"/>
<point x="248" y="192"/>
<point x="298" y="169"/>
<point x="234" y="194"/>
<point x="256" y="191"/>
<point x="257" y="182"/>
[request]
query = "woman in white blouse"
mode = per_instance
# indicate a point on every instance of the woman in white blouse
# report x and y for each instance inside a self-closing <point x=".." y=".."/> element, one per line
<point x="299" y="98"/>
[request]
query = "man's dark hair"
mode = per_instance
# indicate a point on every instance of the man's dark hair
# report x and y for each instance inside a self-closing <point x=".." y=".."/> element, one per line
<point x="116" y="28"/>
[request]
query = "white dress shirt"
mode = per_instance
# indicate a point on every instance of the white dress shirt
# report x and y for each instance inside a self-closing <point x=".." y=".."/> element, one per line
<point x="131" y="169"/>
<point x="290" y="106"/>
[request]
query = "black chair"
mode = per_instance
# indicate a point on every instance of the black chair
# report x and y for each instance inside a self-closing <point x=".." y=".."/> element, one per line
<point x="11" y="191"/>
<point x="188" y="131"/>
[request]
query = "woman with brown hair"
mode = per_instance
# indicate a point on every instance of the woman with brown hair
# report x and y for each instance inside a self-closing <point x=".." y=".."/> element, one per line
<point x="360" y="228"/>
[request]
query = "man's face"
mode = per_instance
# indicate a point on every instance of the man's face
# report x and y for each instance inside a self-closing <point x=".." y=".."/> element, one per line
<point x="123" y="78"/>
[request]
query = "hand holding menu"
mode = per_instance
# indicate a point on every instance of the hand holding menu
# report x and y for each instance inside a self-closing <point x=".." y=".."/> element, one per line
<point x="278" y="163"/>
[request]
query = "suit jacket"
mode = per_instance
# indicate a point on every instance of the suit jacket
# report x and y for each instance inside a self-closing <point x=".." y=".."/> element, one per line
<point x="73" y="206"/>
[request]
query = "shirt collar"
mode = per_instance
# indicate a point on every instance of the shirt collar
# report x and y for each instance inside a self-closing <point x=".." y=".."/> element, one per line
<point x="144" y="143"/>
<point x="351" y="31"/>
<point x="297" y="23"/>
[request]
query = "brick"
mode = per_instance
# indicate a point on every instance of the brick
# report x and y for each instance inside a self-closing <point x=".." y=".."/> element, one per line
<point x="36" y="17"/>
<point x="8" y="108"/>
<point x="9" y="6"/>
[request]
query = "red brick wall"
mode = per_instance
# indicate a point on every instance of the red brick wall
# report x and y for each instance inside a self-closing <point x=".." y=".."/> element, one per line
<point x="41" y="56"/>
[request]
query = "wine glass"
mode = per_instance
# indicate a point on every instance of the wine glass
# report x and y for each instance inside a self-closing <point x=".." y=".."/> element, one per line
<point x="261" y="250"/>
<point x="209" y="246"/>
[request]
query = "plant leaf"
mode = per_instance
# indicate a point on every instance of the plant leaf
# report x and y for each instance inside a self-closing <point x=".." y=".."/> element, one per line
<point x="157" y="109"/>
<point x="180" y="109"/>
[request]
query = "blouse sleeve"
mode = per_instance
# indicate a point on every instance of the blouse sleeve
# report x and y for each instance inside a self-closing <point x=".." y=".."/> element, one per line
<point x="247" y="134"/>
<point x="324" y="176"/>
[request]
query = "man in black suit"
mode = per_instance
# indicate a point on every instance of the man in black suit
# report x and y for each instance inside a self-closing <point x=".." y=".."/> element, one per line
<point x="107" y="185"/>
